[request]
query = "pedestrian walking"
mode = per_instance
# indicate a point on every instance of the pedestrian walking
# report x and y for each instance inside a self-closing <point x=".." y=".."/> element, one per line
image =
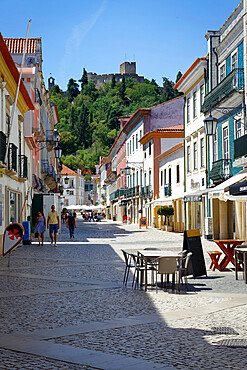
<point x="71" y="224"/>
<point x="63" y="217"/>
<point x="91" y="217"/>
<point x="40" y="226"/>
<point x="53" y="224"/>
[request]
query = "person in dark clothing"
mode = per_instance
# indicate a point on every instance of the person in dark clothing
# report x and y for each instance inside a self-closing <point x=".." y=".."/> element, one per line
<point x="71" y="224"/>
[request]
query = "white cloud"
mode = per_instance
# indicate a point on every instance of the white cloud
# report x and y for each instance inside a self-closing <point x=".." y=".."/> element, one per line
<point x="73" y="43"/>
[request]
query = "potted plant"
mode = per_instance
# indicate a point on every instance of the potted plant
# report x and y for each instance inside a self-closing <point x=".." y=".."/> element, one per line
<point x="167" y="212"/>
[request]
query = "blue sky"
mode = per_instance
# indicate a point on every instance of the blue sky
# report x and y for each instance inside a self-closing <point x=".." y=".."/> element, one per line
<point x="162" y="36"/>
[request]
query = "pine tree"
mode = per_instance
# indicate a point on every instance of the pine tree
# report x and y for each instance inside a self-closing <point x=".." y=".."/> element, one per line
<point x="113" y="82"/>
<point x="82" y="128"/>
<point x="83" y="79"/>
<point x="179" y="75"/>
<point x="72" y="90"/>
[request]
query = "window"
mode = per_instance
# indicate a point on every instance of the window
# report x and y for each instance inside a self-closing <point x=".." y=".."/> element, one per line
<point x="145" y="179"/>
<point x="130" y="147"/>
<point x="170" y="175"/>
<point x="72" y="183"/>
<point x="234" y="61"/>
<point x="149" y="148"/>
<point x="188" y="159"/>
<point x="133" y="176"/>
<point x="237" y="128"/>
<point x="161" y="178"/>
<point x="144" y="148"/>
<point x="137" y="182"/>
<point x="71" y="192"/>
<point x="178" y="174"/>
<point x="215" y="147"/>
<point x="188" y="109"/>
<point x="128" y="181"/>
<point x="164" y="176"/>
<point x="127" y="149"/>
<point x="222" y="72"/>
<point x="136" y="141"/>
<point x="133" y="143"/>
<point x="140" y="137"/>
<point x="194" y="104"/>
<point x="225" y="142"/>
<point x="202" y="152"/>
<point x="195" y="156"/>
<point x="149" y="177"/>
<point x="141" y="177"/>
<point x="202" y="94"/>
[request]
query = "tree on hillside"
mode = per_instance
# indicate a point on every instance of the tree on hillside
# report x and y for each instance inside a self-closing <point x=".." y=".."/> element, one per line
<point x="122" y="88"/>
<point x="179" y="75"/>
<point x="68" y="142"/>
<point x="83" y="80"/>
<point x="113" y="82"/>
<point x="82" y="128"/>
<point x="72" y="90"/>
<point x="168" y="90"/>
<point x="73" y="119"/>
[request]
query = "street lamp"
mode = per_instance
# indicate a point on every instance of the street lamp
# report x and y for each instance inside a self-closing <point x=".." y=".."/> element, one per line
<point x="58" y="152"/>
<point x="210" y="125"/>
<point x="66" y="180"/>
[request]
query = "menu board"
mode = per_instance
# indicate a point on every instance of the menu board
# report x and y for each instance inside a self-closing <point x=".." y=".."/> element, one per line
<point x="192" y="243"/>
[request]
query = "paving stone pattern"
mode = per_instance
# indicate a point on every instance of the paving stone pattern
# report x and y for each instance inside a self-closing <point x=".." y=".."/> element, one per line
<point x="16" y="360"/>
<point x="72" y="297"/>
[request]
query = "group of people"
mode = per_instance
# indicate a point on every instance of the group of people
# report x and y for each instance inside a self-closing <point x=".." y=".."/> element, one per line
<point x="92" y="216"/>
<point x="53" y="223"/>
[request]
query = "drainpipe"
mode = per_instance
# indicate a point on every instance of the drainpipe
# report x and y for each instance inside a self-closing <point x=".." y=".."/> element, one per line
<point x="217" y="64"/>
<point x="185" y="214"/>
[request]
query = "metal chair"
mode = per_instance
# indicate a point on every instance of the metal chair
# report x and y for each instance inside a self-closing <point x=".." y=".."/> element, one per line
<point x="166" y="266"/>
<point x="184" y="268"/>
<point x="139" y="267"/>
<point x="239" y="259"/>
<point x="128" y="266"/>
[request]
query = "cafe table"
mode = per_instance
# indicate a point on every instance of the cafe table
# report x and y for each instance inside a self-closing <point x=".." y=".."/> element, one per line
<point x="149" y="255"/>
<point x="227" y="246"/>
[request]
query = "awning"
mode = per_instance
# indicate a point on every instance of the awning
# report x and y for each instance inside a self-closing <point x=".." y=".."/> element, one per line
<point x="219" y="189"/>
<point x="238" y="189"/>
<point x="162" y="201"/>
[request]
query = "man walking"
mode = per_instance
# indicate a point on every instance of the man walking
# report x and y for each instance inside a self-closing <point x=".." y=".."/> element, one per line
<point x="53" y="223"/>
<point x="71" y="224"/>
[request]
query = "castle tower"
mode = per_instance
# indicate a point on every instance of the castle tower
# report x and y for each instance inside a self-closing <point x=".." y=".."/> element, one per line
<point x="128" y="68"/>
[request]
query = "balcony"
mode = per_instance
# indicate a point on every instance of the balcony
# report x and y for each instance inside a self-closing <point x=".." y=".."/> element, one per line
<point x="221" y="171"/>
<point x="167" y="190"/>
<point x="230" y="84"/>
<point x="146" y="191"/>
<point x="12" y="162"/>
<point x="240" y="151"/>
<point x="3" y="145"/>
<point x="45" y="166"/>
<point x="23" y="167"/>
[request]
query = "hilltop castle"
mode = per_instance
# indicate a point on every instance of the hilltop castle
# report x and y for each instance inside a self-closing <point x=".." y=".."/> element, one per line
<point x="127" y="69"/>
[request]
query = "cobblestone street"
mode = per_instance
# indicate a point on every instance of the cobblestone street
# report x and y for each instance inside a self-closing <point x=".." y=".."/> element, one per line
<point x="66" y="308"/>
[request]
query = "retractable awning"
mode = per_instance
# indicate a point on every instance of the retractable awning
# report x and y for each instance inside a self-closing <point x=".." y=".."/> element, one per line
<point x="238" y="189"/>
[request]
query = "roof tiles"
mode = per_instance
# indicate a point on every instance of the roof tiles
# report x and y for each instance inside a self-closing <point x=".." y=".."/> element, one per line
<point x="17" y="45"/>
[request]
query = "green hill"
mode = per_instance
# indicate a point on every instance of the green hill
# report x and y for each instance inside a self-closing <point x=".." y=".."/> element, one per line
<point x="88" y="117"/>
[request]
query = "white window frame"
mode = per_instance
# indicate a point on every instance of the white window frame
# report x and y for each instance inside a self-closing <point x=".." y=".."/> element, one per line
<point x="194" y="104"/>
<point x="222" y="71"/>
<point x="188" y="109"/>
<point x="202" y="94"/>
<point x="188" y="157"/>
<point x="195" y="156"/>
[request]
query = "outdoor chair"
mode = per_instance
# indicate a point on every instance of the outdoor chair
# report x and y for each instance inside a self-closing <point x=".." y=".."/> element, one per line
<point x="139" y="267"/>
<point x="184" y="267"/>
<point x="239" y="259"/>
<point x="166" y="266"/>
<point x="128" y="266"/>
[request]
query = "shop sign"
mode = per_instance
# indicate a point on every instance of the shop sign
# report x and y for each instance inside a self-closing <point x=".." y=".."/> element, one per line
<point x="13" y="234"/>
<point x="192" y="198"/>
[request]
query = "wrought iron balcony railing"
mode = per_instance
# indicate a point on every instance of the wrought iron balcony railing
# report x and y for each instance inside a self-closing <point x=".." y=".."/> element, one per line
<point x="240" y="147"/>
<point x="12" y="163"/>
<point x="234" y="81"/>
<point x="3" y="146"/>
<point x="23" y="171"/>
<point x="45" y="166"/>
<point x="146" y="191"/>
<point x="221" y="170"/>
<point x="167" y="190"/>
